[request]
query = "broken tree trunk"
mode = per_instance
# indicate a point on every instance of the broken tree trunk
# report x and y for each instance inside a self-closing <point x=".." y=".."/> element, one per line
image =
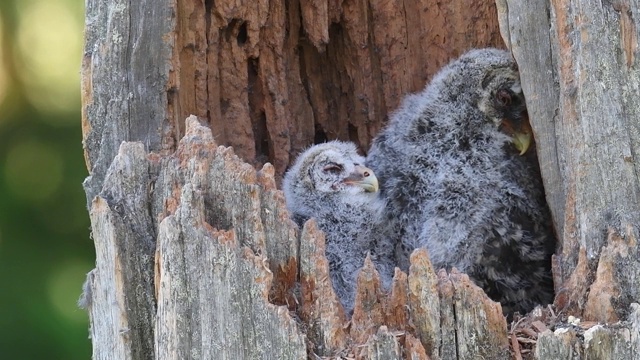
<point x="581" y="80"/>
<point x="231" y="277"/>
<point x="195" y="254"/>
<point x="269" y="76"/>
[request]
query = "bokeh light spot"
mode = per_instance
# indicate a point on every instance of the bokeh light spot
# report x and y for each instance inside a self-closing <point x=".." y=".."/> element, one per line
<point x="33" y="170"/>
<point x="49" y="44"/>
<point x="64" y="287"/>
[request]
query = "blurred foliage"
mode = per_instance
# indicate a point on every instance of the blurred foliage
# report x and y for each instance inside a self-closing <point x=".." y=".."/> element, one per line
<point x="45" y="249"/>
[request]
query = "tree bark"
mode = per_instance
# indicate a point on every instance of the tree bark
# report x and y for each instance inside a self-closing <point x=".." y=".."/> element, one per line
<point x="580" y="77"/>
<point x="195" y="254"/>
<point x="269" y="76"/>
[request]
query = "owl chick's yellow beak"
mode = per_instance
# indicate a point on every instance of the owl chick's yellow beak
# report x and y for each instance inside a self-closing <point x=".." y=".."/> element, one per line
<point x="520" y="132"/>
<point x="522" y="141"/>
<point x="364" y="177"/>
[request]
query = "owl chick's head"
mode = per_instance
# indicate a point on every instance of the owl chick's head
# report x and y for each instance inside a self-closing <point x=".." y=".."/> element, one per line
<point x="502" y="101"/>
<point x="486" y="79"/>
<point x="324" y="172"/>
<point x="489" y="78"/>
<point x="501" y="94"/>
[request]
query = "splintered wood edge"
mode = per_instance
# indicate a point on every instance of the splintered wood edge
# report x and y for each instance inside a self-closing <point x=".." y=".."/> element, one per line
<point x="396" y="303"/>
<point x="605" y="289"/>
<point x="184" y="238"/>
<point x="368" y="313"/>
<point x="418" y="304"/>
<point x="320" y="309"/>
<point x="424" y="299"/>
<point x="107" y="286"/>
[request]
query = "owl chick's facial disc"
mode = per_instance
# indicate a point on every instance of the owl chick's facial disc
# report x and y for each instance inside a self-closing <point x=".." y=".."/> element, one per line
<point x="337" y="167"/>
<point x="327" y="170"/>
<point x="334" y="174"/>
<point x="503" y="102"/>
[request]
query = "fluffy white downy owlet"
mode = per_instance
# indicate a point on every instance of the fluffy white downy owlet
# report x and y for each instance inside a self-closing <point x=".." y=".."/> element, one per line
<point x="456" y="185"/>
<point x="330" y="183"/>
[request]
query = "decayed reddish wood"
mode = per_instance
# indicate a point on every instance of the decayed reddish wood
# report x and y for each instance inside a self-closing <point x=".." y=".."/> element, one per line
<point x="270" y="76"/>
<point x="570" y="292"/>
<point x="319" y="308"/>
<point x="315" y="21"/>
<point x="396" y="306"/>
<point x="424" y="300"/>
<point x="368" y="313"/>
<point x="619" y="253"/>
<point x="413" y="348"/>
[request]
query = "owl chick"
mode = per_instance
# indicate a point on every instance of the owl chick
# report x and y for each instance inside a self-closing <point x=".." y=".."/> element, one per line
<point x="330" y="183"/>
<point x="455" y="185"/>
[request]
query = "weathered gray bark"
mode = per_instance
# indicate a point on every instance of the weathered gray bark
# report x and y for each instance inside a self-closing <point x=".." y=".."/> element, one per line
<point x="126" y="70"/>
<point x="598" y="342"/>
<point x="580" y="76"/>
<point x="210" y="299"/>
<point x="196" y="255"/>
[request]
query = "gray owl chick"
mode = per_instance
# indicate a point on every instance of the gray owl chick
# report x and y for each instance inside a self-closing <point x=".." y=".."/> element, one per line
<point x="330" y="183"/>
<point x="455" y="184"/>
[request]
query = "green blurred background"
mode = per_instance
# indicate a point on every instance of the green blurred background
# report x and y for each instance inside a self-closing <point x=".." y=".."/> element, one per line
<point x="45" y="249"/>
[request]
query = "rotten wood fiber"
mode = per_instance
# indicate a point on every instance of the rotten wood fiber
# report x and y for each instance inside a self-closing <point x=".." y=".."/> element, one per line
<point x="270" y="77"/>
<point x="184" y="255"/>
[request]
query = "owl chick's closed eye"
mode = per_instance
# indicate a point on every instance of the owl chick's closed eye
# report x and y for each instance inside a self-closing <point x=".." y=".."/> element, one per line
<point x="455" y="186"/>
<point x="330" y="183"/>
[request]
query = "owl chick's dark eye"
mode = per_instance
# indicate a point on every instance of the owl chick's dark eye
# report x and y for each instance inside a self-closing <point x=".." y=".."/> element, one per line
<point x="332" y="168"/>
<point x="504" y="97"/>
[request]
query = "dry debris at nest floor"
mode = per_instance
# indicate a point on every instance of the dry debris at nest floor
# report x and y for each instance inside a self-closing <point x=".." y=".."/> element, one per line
<point x="524" y="330"/>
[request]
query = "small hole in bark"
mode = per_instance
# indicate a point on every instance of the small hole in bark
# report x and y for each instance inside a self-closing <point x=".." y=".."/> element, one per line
<point x="257" y="114"/>
<point x="242" y="34"/>
<point x="238" y="29"/>
<point x="320" y="136"/>
<point x="216" y="214"/>
<point x="224" y="105"/>
<point x="335" y="29"/>
<point x="262" y="139"/>
<point x="353" y="133"/>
